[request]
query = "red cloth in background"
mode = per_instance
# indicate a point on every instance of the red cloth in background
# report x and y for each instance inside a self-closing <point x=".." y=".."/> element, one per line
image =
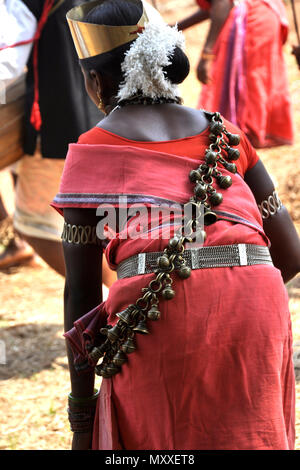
<point x="249" y="78"/>
<point x="205" y="4"/>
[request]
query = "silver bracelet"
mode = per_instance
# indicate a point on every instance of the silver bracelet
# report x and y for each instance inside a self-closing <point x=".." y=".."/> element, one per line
<point x="80" y="235"/>
<point x="270" y="206"/>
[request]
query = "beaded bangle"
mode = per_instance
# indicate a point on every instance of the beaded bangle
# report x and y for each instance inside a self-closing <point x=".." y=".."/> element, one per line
<point x="81" y="412"/>
<point x="82" y="401"/>
<point x="81" y="419"/>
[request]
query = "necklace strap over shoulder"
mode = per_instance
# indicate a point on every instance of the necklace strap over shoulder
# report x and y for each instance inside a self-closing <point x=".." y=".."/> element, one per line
<point x="118" y="340"/>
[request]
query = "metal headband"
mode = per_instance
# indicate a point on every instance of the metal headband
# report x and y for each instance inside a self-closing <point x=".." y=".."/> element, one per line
<point x="93" y="39"/>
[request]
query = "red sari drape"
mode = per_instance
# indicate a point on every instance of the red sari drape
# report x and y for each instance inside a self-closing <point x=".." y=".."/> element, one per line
<point x="216" y="370"/>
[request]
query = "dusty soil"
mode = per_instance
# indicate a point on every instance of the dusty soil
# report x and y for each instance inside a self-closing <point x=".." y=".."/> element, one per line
<point x="34" y="381"/>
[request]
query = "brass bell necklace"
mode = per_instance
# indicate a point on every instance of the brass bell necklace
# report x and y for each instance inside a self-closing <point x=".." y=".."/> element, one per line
<point x="119" y="341"/>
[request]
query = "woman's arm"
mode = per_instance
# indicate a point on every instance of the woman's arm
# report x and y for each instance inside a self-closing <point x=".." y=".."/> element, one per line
<point x="195" y="18"/>
<point x="83" y="292"/>
<point x="279" y="228"/>
<point x="219" y="13"/>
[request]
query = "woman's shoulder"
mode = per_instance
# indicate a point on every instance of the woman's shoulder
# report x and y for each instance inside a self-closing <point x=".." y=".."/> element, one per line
<point x="90" y="137"/>
<point x="99" y="136"/>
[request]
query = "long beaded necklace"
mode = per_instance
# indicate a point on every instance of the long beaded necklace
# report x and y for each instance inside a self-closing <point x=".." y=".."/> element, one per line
<point x="118" y="340"/>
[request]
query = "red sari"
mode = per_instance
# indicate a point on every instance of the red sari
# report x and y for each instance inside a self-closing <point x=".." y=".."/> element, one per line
<point x="249" y="80"/>
<point x="216" y="370"/>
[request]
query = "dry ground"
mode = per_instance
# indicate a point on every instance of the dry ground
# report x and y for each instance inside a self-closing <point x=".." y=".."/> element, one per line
<point x="34" y="382"/>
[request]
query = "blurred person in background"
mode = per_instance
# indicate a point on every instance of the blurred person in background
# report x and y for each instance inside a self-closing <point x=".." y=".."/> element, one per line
<point x="16" y="24"/>
<point x="57" y="111"/>
<point x="242" y="67"/>
<point x="296" y="53"/>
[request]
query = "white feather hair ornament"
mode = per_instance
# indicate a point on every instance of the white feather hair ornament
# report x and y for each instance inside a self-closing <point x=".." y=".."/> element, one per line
<point x="144" y="62"/>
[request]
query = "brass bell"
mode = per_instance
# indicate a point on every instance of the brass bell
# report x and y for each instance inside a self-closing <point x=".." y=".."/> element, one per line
<point x="96" y="353"/>
<point x="153" y="314"/>
<point x="119" y="358"/>
<point x="128" y="346"/>
<point x="233" y="154"/>
<point x="141" y="327"/>
<point x="174" y="242"/>
<point x="101" y="370"/>
<point x="194" y="176"/>
<point x="184" y="272"/>
<point x="104" y="331"/>
<point x="231" y="167"/>
<point x="163" y="262"/>
<point x="216" y="128"/>
<point x="112" y="369"/>
<point x="125" y="315"/>
<point x="209" y="218"/>
<point x="216" y="199"/>
<point x="211" y="157"/>
<point x="113" y="333"/>
<point x="233" y="139"/>
<point x="98" y="370"/>
<point x="200" y="190"/>
<point x="225" y="182"/>
<point x="168" y="293"/>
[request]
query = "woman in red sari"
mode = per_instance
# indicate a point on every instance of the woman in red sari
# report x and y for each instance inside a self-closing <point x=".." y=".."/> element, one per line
<point x="242" y="67"/>
<point x="215" y="370"/>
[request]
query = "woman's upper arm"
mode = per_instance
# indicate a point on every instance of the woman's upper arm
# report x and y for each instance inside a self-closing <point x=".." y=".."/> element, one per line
<point x="259" y="181"/>
<point x="278" y="226"/>
<point x="83" y="261"/>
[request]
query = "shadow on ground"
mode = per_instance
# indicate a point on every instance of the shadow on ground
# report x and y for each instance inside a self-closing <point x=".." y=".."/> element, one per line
<point x="30" y="348"/>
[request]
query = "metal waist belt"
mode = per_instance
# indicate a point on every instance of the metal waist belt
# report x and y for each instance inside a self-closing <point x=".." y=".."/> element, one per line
<point x="200" y="258"/>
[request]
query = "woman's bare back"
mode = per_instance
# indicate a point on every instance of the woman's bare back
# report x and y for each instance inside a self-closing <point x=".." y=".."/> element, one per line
<point x="155" y="123"/>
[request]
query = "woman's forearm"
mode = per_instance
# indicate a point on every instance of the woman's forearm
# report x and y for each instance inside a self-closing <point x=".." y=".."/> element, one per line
<point x="219" y="13"/>
<point x="195" y="18"/>
<point x="76" y="305"/>
<point x="83" y="289"/>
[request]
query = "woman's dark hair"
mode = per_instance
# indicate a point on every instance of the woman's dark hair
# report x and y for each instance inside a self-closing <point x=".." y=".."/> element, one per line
<point x="123" y="13"/>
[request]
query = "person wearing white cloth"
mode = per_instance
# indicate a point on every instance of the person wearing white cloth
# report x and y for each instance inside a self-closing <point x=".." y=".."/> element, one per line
<point x="17" y="24"/>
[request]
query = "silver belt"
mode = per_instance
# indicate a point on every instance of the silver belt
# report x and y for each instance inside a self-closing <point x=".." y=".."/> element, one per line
<point x="199" y="258"/>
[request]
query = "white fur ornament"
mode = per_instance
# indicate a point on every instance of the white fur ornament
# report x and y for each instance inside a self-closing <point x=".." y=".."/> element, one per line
<point x="144" y="62"/>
